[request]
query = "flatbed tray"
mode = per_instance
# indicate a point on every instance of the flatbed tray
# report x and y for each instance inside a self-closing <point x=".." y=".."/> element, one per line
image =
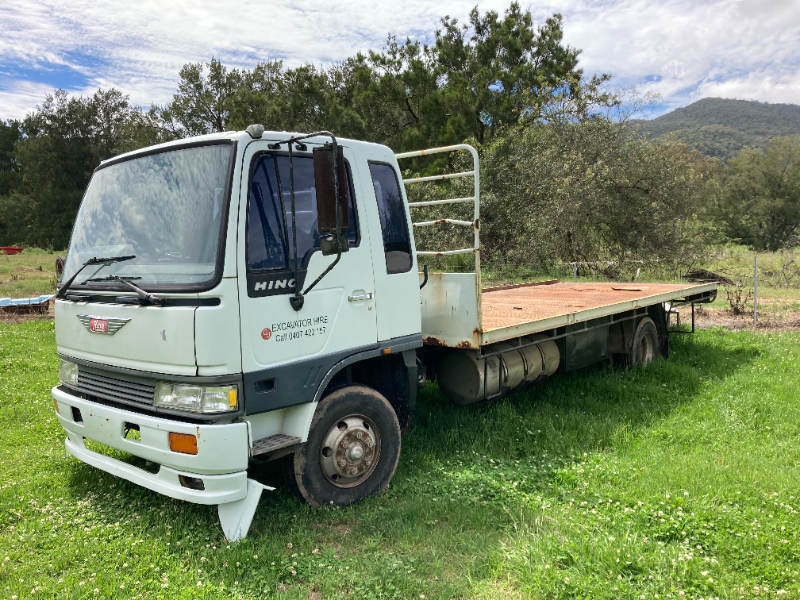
<point x="451" y="317"/>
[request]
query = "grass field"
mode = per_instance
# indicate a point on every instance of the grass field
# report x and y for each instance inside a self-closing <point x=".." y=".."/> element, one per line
<point x="680" y="480"/>
<point x="31" y="273"/>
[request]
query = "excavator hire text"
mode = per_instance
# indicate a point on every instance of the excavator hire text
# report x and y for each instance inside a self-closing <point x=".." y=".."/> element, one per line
<point x="299" y="328"/>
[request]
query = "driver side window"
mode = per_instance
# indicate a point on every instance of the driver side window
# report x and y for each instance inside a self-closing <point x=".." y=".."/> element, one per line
<point x="269" y="216"/>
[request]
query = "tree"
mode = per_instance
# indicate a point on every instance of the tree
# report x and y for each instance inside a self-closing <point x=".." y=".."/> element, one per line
<point x="580" y="190"/>
<point x="759" y="199"/>
<point x="9" y="169"/>
<point x="492" y="69"/>
<point x="203" y="102"/>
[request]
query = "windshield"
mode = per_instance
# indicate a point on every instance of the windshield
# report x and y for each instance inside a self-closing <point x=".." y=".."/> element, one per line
<point x="166" y="209"/>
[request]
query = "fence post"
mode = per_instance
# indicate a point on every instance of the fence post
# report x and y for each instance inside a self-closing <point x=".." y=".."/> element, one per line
<point x="575" y="271"/>
<point x="755" y="290"/>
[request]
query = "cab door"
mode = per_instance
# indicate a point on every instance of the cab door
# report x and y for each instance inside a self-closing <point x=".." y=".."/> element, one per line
<point x="395" y="259"/>
<point x="286" y="353"/>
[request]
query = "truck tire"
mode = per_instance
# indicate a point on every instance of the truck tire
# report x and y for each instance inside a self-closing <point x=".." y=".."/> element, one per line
<point x="644" y="345"/>
<point x="352" y="449"/>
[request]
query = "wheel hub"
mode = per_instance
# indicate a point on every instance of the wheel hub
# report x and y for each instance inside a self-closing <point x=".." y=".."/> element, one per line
<point x="350" y="451"/>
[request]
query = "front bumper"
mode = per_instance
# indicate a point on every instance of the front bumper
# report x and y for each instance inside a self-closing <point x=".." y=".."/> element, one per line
<point x="220" y="462"/>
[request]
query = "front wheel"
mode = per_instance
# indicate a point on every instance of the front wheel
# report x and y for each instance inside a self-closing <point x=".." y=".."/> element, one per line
<point x="352" y="449"/>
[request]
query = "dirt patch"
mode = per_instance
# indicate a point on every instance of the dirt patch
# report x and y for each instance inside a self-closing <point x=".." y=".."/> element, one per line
<point x="725" y="319"/>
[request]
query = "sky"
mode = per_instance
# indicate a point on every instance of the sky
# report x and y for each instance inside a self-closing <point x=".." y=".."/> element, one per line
<point x="682" y="50"/>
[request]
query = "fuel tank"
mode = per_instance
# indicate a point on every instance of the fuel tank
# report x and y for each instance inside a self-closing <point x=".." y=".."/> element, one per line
<point x="464" y="378"/>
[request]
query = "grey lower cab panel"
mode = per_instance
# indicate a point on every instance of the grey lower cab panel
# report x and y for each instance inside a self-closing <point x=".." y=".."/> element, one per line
<point x="298" y="382"/>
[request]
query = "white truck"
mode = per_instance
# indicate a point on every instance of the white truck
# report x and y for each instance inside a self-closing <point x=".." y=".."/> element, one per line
<point x="251" y="296"/>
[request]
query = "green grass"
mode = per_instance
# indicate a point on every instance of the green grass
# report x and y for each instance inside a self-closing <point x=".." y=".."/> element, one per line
<point x="31" y="273"/>
<point x="679" y="480"/>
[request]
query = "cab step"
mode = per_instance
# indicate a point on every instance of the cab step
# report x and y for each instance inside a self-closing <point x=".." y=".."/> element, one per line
<point x="271" y="443"/>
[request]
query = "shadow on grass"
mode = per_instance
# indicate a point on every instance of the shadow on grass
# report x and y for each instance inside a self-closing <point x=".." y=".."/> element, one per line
<point x="587" y="410"/>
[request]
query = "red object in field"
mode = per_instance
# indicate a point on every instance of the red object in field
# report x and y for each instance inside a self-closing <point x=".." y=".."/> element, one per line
<point x="11" y="250"/>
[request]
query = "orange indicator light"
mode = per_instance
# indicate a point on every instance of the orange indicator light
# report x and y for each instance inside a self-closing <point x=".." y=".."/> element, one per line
<point x="185" y="443"/>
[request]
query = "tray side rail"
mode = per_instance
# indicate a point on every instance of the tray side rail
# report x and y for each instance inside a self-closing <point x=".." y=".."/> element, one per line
<point x="463" y="330"/>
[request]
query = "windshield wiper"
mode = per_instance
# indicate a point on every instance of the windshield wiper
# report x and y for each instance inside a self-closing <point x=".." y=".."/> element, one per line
<point x="147" y="298"/>
<point x="92" y="261"/>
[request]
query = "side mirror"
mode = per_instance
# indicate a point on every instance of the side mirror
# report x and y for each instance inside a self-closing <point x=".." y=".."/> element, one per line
<point x="333" y="235"/>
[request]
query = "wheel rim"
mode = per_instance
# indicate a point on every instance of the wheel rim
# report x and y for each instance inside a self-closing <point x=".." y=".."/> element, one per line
<point x="350" y="451"/>
<point x="646" y="349"/>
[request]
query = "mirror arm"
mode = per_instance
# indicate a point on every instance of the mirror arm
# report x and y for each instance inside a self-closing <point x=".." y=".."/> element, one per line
<point x="298" y="299"/>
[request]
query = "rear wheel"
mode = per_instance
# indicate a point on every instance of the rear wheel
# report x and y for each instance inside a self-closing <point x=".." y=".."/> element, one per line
<point x="352" y="449"/>
<point x="644" y="346"/>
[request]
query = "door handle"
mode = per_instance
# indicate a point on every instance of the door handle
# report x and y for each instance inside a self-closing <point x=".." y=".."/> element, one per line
<point x="360" y="297"/>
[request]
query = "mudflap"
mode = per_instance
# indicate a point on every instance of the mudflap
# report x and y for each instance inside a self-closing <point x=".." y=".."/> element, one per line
<point x="236" y="517"/>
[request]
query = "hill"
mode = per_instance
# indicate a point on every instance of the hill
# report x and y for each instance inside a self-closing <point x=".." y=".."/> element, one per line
<point x="720" y="127"/>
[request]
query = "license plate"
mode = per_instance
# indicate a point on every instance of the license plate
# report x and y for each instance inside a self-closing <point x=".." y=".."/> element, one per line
<point x="98" y="325"/>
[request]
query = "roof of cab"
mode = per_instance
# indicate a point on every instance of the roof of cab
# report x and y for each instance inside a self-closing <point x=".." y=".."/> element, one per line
<point x="239" y="136"/>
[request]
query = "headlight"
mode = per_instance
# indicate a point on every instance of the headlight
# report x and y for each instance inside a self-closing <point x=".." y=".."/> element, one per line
<point x="67" y="373"/>
<point x="197" y="398"/>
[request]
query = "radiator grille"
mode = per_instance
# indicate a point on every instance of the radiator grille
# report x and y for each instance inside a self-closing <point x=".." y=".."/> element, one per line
<point x="109" y="388"/>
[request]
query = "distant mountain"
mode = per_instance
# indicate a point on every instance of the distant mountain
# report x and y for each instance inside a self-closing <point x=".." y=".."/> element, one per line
<point x="719" y="127"/>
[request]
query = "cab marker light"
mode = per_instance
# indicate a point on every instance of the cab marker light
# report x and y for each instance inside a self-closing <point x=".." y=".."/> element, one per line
<point x="185" y="443"/>
<point x="232" y="398"/>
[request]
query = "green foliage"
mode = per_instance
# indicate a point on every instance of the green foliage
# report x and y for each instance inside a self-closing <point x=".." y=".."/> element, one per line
<point x="583" y="191"/>
<point x="721" y="127"/>
<point x="603" y="483"/>
<point x="9" y="170"/>
<point x="759" y="195"/>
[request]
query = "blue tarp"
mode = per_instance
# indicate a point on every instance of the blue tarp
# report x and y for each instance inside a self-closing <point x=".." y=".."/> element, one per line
<point x="25" y="301"/>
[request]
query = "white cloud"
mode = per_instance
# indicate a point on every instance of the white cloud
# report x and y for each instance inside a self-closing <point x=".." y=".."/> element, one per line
<point x="17" y="98"/>
<point x="688" y="49"/>
<point x="682" y="49"/>
<point x="758" y="85"/>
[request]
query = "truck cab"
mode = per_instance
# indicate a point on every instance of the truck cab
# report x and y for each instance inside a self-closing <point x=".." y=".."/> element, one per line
<point x="212" y="366"/>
